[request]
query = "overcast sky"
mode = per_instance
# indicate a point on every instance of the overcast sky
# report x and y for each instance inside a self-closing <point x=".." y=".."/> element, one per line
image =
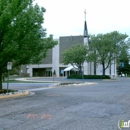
<point x="66" y="17"/>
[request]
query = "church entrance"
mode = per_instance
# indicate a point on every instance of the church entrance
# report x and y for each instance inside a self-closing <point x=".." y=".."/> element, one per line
<point x="42" y="72"/>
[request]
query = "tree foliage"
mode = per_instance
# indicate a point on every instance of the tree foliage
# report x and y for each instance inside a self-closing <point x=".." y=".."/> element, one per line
<point x="76" y="55"/>
<point x="123" y="57"/>
<point x="22" y="38"/>
<point x="105" y="47"/>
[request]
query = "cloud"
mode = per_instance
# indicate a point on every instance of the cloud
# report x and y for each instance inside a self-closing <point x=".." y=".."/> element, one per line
<point x="67" y="17"/>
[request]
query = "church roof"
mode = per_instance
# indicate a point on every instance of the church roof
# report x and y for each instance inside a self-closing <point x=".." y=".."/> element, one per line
<point x="85" y="29"/>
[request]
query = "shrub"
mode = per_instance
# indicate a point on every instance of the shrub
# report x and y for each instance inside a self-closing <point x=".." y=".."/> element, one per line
<point x="5" y="91"/>
<point x="75" y="76"/>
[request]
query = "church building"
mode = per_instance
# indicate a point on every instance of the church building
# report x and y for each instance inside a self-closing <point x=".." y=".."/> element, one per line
<point x="52" y="63"/>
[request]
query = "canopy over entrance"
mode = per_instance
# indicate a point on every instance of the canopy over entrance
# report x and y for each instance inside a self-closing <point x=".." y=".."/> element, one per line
<point x="75" y="68"/>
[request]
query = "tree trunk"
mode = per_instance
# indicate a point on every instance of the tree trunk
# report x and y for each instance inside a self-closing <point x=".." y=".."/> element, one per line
<point x="110" y="68"/>
<point x="0" y="80"/>
<point x="80" y="70"/>
<point x="90" y="67"/>
<point x="95" y="68"/>
<point x="103" y="69"/>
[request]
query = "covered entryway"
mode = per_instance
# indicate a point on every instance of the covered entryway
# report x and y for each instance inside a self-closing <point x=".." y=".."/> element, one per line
<point x="39" y="72"/>
<point x="48" y="72"/>
<point x="42" y="72"/>
<point x="71" y="70"/>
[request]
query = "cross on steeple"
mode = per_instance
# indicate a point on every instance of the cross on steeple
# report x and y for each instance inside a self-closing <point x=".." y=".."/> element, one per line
<point x="85" y="14"/>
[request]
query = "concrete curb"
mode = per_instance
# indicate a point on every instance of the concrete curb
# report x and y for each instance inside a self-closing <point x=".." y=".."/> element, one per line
<point x="14" y="95"/>
<point x="36" y="81"/>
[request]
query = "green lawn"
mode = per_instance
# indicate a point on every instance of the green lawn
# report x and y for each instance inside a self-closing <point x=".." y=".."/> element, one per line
<point x="17" y="81"/>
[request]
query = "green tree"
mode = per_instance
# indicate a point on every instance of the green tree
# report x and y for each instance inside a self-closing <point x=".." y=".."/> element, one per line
<point x="76" y="55"/>
<point x="124" y="69"/>
<point x="105" y="47"/>
<point x="123" y="57"/>
<point x="22" y="37"/>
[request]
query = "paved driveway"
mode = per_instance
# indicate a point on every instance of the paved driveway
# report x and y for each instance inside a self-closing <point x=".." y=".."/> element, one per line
<point x="26" y="86"/>
<point x="94" y="107"/>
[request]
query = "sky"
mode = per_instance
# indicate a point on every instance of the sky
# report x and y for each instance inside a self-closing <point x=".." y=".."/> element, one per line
<point x="66" y="17"/>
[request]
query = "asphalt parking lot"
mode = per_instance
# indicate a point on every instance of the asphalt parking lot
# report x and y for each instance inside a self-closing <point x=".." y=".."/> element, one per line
<point x="90" y="107"/>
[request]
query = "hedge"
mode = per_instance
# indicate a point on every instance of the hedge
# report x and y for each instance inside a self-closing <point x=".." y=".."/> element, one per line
<point x="75" y="76"/>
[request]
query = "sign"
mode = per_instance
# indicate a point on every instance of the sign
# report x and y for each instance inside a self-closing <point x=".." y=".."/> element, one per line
<point x="122" y="64"/>
<point x="9" y="65"/>
<point x="123" y="124"/>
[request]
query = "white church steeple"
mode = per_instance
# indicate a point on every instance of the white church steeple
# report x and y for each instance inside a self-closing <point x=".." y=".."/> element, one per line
<point x="85" y="30"/>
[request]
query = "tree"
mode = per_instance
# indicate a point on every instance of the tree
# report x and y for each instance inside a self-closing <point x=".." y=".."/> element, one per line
<point x="76" y="55"/>
<point x="124" y="69"/>
<point x="22" y="38"/>
<point x="105" y="47"/>
<point x="123" y="59"/>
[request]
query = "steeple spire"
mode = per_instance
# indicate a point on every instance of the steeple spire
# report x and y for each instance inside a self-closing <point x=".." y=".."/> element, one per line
<point x="85" y="26"/>
<point x="85" y="14"/>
